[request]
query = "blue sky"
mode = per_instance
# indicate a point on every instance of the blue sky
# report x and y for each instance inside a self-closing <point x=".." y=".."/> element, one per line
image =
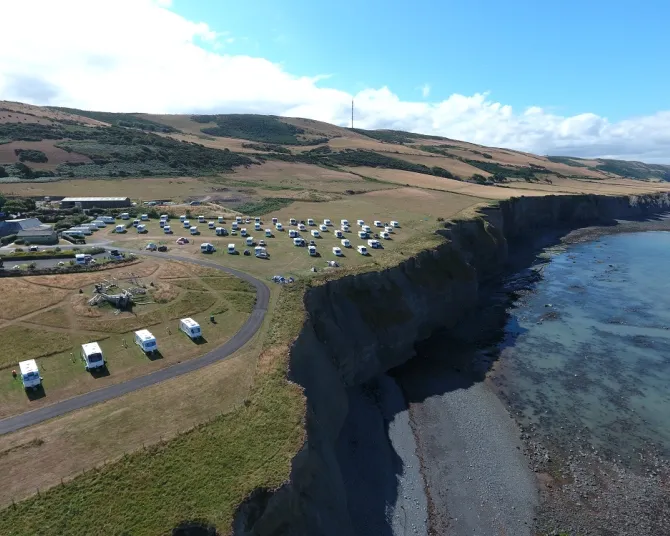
<point x="571" y="57"/>
<point x="585" y="78"/>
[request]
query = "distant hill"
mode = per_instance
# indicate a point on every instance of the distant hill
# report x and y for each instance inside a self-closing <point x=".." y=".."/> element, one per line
<point x="49" y="143"/>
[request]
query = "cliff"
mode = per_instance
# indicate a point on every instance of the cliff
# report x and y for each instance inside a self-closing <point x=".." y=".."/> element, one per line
<point x="361" y="326"/>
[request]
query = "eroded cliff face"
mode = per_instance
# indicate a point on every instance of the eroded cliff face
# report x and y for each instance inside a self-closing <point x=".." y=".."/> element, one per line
<point x="361" y="326"/>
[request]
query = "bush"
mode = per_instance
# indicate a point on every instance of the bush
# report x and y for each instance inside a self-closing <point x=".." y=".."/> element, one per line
<point x="31" y="155"/>
<point x="7" y="239"/>
<point x="262" y="128"/>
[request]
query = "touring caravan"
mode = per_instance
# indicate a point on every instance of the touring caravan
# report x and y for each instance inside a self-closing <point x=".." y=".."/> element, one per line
<point x="30" y="374"/>
<point x="201" y="219"/>
<point x="120" y="229"/>
<point x="92" y="356"/>
<point x="346" y="243"/>
<point x="268" y="233"/>
<point x="108" y="219"/>
<point x="211" y="225"/>
<point x="190" y="327"/>
<point x="207" y="248"/>
<point x="141" y="228"/>
<point x="124" y="216"/>
<point x="145" y="340"/>
<point x="144" y="217"/>
<point x="311" y="250"/>
<point x="337" y="251"/>
<point x="221" y="231"/>
<point x="167" y="229"/>
<point x="362" y="250"/>
<point x="193" y="230"/>
<point x="231" y="248"/>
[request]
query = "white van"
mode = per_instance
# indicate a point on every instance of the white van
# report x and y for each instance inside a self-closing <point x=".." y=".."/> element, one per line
<point x="92" y="356"/>
<point x="231" y="248"/>
<point x="162" y="223"/>
<point x="190" y="327"/>
<point x="338" y="234"/>
<point x="366" y="228"/>
<point x="311" y="250"/>
<point x="120" y="229"/>
<point x="167" y="229"/>
<point x="301" y="227"/>
<point x="315" y="233"/>
<point x="298" y="241"/>
<point x="238" y="219"/>
<point x="395" y="224"/>
<point x="260" y="252"/>
<point x="257" y="226"/>
<point x="80" y="258"/>
<point x="362" y="250"/>
<point x="30" y="374"/>
<point x="207" y="248"/>
<point x="275" y="220"/>
<point x="145" y="340"/>
<point x="345" y="229"/>
<point x="344" y="222"/>
<point x="233" y="226"/>
<point x="385" y="235"/>
<point x="165" y="217"/>
<point x="136" y="223"/>
<point x="108" y="219"/>
<point x="268" y="233"/>
<point x="360" y="223"/>
<point x="388" y="229"/>
<point x="243" y="231"/>
<point x="193" y="230"/>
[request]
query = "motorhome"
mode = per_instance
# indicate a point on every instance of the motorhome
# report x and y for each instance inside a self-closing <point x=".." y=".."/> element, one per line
<point x="268" y="233"/>
<point x="360" y="223"/>
<point x="108" y="219"/>
<point x="298" y="241"/>
<point x="260" y="252"/>
<point x="145" y="340"/>
<point x="292" y="233"/>
<point x="80" y="258"/>
<point x="274" y="220"/>
<point x="165" y="217"/>
<point x="141" y="228"/>
<point x="221" y="231"/>
<point x="182" y="218"/>
<point x="327" y="222"/>
<point x="374" y="244"/>
<point x="187" y="224"/>
<point x="315" y="233"/>
<point x="167" y="229"/>
<point x="238" y="219"/>
<point x="144" y="217"/>
<point x="337" y="251"/>
<point x="366" y="228"/>
<point x="377" y="223"/>
<point x="136" y="223"/>
<point x="346" y="243"/>
<point x="395" y="224"/>
<point x="385" y="235"/>
<point x="210" y="225"/>
<point x="345" y="228"/>
<point x="161" y="223"/>
<point x="338" y="234"/>
<point x="362" y="250"/>
<point x="193" y="230"/>
<point x="323" y="228"/>
<point x="292" y="221"/>
<point x="191" y="328"/>
<point x="250" y="241"/>
<point x="257" y="226"/>
<point x="120" y="229"/>
<point x="243" y="232"/>
<point x="201" y="219"/>
<point x="207" y="248"/>
<point x="92" y="356"/>
<point x="301" y="227"/>
<point x="310" y="221"/>
<point x="344" y="222"/>
<point x="362" y="234"/>
<point x="220" y="219"/>
<point x="279" y="227"/>
<point x="311" y="250"/>
<point x="231" y="248"/>
<point x="30" y="374"/>
<point x="388" y="229"/>
<point x="124" y="216"/>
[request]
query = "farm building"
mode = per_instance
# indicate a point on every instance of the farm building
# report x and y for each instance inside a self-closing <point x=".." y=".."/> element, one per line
<point x="10" y="227"/>
<point x="44" y="234"/>
<point x="95" y="202"/>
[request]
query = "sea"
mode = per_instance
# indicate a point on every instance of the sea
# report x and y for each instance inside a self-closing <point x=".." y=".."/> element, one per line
<point x="585" y="355"/>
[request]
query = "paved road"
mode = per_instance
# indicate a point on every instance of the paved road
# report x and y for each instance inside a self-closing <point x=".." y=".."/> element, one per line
<point x="246" y="332"/>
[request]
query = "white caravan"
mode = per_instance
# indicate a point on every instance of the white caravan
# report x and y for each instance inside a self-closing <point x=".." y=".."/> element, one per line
<point x="190" y="327"/>
<point x="92" y="356"/>
<point x="145" y="340"/>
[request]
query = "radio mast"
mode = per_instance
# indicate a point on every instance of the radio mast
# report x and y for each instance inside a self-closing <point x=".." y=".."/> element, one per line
<point x="352" y="114"/>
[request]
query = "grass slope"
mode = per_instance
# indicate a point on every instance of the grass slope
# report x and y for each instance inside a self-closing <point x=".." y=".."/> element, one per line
<point x="203" y="474"/>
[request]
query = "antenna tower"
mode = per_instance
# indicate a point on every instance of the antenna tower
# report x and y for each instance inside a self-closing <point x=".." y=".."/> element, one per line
<point x="352" y="114"/>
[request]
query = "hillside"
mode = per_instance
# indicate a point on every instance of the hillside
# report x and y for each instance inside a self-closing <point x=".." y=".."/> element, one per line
<point x="48" y="144"/>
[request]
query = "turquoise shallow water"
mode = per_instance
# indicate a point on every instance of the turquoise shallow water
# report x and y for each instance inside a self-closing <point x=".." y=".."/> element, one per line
<point x="586" y="356"/>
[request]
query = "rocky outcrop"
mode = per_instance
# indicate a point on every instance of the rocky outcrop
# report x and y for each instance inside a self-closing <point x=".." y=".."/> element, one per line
<point x="361" y="326"/>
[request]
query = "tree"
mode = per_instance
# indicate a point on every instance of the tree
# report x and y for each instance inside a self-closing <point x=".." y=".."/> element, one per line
<point x="498" y="177"/>
<point x="3" y="173"/>
<point x="3" y="199"/>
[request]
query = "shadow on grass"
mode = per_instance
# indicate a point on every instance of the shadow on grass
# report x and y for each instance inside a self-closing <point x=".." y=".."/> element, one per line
<point x="155" y="356"/>
<point x="36" y="394"/>
<point x="100" y="372"/>
<point x="195" y="528"/>
<point x="200" y="340"/>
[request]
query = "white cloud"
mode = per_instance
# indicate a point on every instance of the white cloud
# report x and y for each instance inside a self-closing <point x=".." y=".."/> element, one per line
<point x="137" y="55"/>
<point x="425" y="90"/>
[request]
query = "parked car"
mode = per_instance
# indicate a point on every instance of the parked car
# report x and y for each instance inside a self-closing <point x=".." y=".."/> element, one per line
<point x="162" y="249"/>
<point x="182" y="240"/>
